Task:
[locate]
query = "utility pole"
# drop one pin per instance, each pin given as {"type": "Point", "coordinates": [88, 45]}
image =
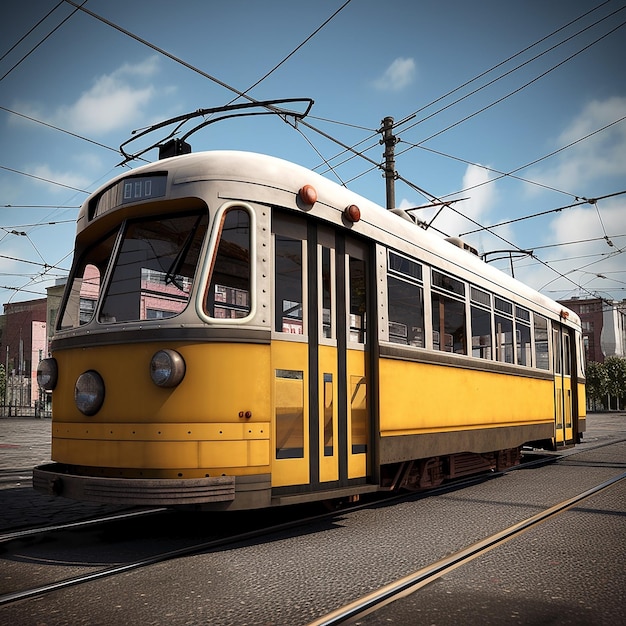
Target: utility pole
{"type": "Point", "coordinates": [390, 140]}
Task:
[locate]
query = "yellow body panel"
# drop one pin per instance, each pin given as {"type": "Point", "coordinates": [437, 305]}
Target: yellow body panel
{"type": "Point", "coordinates": [422, 398]}
{"type": "Point", "coordinates": [357, 411]}
{"type": "Point", "coordinates": [582, 400]}
{"type": "Point", "coordinates": [328, 403]}
{"type": "Point", "coordinates": [290, 400]}
{"type": "Point", "coordinates": [200, 424]}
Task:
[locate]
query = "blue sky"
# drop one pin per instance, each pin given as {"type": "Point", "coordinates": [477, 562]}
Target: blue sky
{"type": "Point", "coordinates": [69, 97]}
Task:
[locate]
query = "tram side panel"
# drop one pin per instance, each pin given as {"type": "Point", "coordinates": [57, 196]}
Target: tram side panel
{"type": "Point", "coordinates": [428, 410]}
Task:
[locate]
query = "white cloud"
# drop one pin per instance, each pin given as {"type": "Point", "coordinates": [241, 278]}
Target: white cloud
{"type": "Point", "coordinates": [481, 197]}
{"type": "Point", "coordinates": [601, 155]}
{"type": "Point", "coordinates": [397, 76]}
{"type": "Point", "coordinates": [591, 266]}
{"type": "Point", "coordinates": [113, 101]}
{"type": "Point", "coordinates": [71, 178]}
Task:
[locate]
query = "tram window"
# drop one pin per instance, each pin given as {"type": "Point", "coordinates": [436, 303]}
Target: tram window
{"type": "Point", "coordinates": [503, 305]}
{"type": "Point", "coordinates": [481, 323]}
{"type": "Point", "coordinates": [229, 291]}
{"type": "Point", "coordinates": [567, 356]}
{"type": "Point", "coordinates": [154, 268]}
{"type": "Point", "coordinates": [406, 312]}
{"type": "Point", "coordinates": [289, 393]}
{"type": "Point", "coordinates": [558, 351]}
{"type": "Point", "coordinates": [326, 293]}
{"type": "Point", "coordinates": [288, 285]}
{"type": "Point", "coordinates": [404, 266]}
{"type": "Point", "coordinates": [443, 281]}
{"type": "Point", "coordinates": [504, 339]}
{"type": "Point", "coordinates": [523, 344]}
{"type": "Point", "coordinates": [358, 300]}
{"type": "Point", "coordinates": [405, 301]}
{"type": "Point", "coordinates": [542, 357]}
{"type": "Point", "coordinates": [481, 333]}
{"type": "Point", "coordinates": [86, 284]}
{"type": "Point", "coordinates": [449, 332]}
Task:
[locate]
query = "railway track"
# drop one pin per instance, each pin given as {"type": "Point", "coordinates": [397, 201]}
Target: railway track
{"type": "Point", "coordinates": [263, 532]}
{"type": "Point", "coordinates": [45, 533]}
{"type": "Point", "coordinates": [352, 612]}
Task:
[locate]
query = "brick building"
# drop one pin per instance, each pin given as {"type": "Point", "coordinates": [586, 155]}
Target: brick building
{"type": "Point", "coordinates": [23, 343]}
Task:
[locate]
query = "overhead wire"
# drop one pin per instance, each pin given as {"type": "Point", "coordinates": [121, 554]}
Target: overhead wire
{"type": "Point", "coordinates": [515, 91]}
{"type": "Point", "coordinates": [542, 213]}
{"type": "Point", "coordinates": [18, 63]}
{"type": "Point", "coordinates": [475, 78]}
{"type": "Point", "coordinates": [521, 65]}
{"type": "Point", "coordinates": [308, 125]}
{"type": "Point", "coordinates": [25, 35]}
{"type": "Point", "coordinates": [242, 94]}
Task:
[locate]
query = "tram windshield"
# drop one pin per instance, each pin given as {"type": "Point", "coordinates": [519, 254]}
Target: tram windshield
{"type": "Point", "coordinates": [151, 275]}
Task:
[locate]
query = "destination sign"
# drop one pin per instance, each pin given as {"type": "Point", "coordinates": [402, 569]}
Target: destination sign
{"type": "Point", "coordinates": [131, 189]}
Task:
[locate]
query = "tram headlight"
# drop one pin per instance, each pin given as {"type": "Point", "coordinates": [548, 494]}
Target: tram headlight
{"type": "Point", "coordinates": [47, 374]}
{"type": "Point", "coordinates": [167, 368]}
{"type": "Point", "coordinates": [89, 392]}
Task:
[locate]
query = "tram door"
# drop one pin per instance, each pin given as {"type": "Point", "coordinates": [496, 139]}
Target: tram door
{"type": "Point", "coordinates": [563, 391]}
{"type": "Point", "coordinates": [319, 356]}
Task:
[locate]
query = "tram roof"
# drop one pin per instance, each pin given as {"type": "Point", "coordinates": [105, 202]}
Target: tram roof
{"type": "Point", "coordinates": [376, 221]}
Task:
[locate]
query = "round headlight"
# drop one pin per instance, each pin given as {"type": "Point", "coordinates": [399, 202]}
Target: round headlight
{"type": "Point", "coordinates": [89, 392]}
{"type": "Point", "coordinates": [167, 368]}
{"type": "Point", "coordinates": [47, 374]}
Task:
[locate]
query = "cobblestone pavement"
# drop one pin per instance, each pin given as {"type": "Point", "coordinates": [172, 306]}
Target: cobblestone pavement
{"type": "Point", "coordinates": [25, 443]}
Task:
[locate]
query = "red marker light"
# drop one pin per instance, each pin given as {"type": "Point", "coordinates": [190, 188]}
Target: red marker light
{"type": "Point", "coordinates": [308, 195]}
{"type": "Point", "coordinates": [352, 213]}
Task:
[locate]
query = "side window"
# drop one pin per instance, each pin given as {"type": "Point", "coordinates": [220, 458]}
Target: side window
{"type": "Point", "coordinates": [481, 323]}
{"type": "Point", "coordinates": [448, 310]}
{"type": "Point", "coordinates": [542, 354]}
{"type": "Point", "coordinates": [288, 285]}
{"type": "Point", "coordinates": [504, 330]}
{"type": "Point", "coordinates": [229, 295]}
{"type": "Point", "coordinates": [522, 334]}
{"type": "Point", "coordinates": [358, 299]}
{"type": "Point", "coordinates": [81, 303]}
{"type": "Point", "coordinates": [405, 301]}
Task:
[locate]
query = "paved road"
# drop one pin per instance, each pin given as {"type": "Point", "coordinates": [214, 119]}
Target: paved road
{"type": "Point", "coordinates": [25, 443]}
{"type": "Point", "coordinates": [567, 571]}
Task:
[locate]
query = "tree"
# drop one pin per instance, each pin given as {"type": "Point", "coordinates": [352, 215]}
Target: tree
{"type": "Point", "coordinates": [616, 376]}
{"type": "Point", "coordinates": [597, 381]}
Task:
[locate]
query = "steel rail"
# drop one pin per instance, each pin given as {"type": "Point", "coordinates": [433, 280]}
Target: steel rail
{"type": "Point", "coordinates": [85, 523]}
{"type": "Point", "coordinates": [415, 581]}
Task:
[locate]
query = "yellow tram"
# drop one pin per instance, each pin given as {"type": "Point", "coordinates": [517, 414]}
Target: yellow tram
{"type": "Point", "coordinates": [240, 332]}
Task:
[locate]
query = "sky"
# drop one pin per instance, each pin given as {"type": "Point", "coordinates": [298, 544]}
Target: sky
{"type": "Point", "coordinates": [516, 110]}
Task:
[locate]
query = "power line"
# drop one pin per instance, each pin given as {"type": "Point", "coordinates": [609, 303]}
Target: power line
{"type": "Point", "coordinates": [527, 62]}
{"type": "Point", "coordinates": [23, 37]}
{"type": "Point", "coordinates": [515, 91]}
{"type": "Point", "coordinates": [57, 128]}
{"type": "Point", "coordinates": [474, 79]}
{"type": "Point", "coordinates": [42, 41]}
{"type": "Point", "coordinates": [541, 213]}
{"type": "Point", "coordinates": [45, 180]}
{"type": "Point", "coordinates": [284, 60]}
{"type": "Point", "coordinates": [502, 63]}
